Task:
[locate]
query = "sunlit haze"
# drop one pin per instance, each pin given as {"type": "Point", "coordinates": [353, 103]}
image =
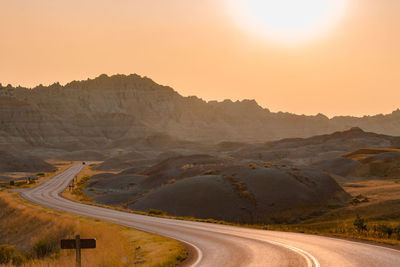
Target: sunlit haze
{"type": "Point", "coordinates": [336, 57]}
{"type": "Point", "coordinates": [289, 21]}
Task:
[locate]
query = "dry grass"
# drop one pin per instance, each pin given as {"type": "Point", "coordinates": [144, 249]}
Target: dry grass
{"type": "Point", "coordinates": [76, 194]}
{"type": "Point", "coordinates": [364, 153]}
{"type": "Point", "coordinates": [241, 189]}
{"type": "Point", "coordinates": [23, 224]}
{"type": "Point", "coordinates": [60, 165]}
{"type": "Point", "coordinates": [382, 209]}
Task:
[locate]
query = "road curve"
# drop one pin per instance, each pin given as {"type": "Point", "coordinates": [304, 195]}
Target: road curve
{"type": "Point", "coordinates": [221, 245]}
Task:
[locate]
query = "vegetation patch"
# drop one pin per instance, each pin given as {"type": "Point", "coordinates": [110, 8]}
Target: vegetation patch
{"type": "Point", "coordinates": [241, 189]}
{"type": "Point", "coordinates": [79, 186]}
{"type": "Point", "coordinates": [30, 235]}
{"type": "Point", "coordinates": [35, 179]}
{"type": "Point", "coordinates": [156, 212]}
{"type": "Point", "coordinates": [359, 199]}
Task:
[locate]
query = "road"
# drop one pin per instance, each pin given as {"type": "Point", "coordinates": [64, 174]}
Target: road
{"type": "Point", "coordinates": [221, 245]}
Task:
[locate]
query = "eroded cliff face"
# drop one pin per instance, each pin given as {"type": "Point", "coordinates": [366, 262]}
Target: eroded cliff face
{"type": "Point", "coordinates": [94, 113]}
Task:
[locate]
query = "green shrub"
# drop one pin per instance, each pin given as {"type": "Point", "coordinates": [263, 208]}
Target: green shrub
{"type": "Point", "coordinates": [359, 223]}
{"type": "Point", "coordinates": [211, 172]}
{"type": "Point", "coordinates": [18, 259]}
{"type": "Point", "coordinates": [44, 247]}
{"type": "Point", "coordinates": [78, 190]}
{"type": "Point", "coordinates": [385, 230]}
{"type": "Point", "coordinates": [40, 174]}
{"type": "Point", "coordinates": [6, 253]}
{"type": "Point", "coordinates": [156, 212]}
{"type": "Point", "coordinates": [253, 166]}
{"type": "Point", "coordinates": [397, 231]}
{"type": "Point", "coordinates": [171, 181]}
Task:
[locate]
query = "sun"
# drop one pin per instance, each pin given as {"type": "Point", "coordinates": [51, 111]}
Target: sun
{"type": "Point", "coordinates": [288, 20]}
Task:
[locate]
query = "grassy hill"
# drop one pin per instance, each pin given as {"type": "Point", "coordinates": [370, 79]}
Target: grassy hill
{"type": "Point", "coordinates": [33, 234]}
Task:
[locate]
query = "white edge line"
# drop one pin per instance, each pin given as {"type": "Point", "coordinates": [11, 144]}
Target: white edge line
{"type": "Point", "coordinates": [199, 253]}
{"type": "Point", "coordinates": [305, 254]}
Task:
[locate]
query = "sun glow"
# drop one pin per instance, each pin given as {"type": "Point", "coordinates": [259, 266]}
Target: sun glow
{"type": "Point", "coordinates": [288, 20]}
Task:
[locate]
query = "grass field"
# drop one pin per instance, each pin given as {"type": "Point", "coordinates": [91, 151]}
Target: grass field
{"type": "Point", "coordinates": [32, 229]}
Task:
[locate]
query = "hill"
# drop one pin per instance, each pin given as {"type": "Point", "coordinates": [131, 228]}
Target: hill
{"type": "Point", "coordinates": [315, 150]}
{"type": "Point", "coordinates": [32, 233]}
{"type": "Point", "coordinates": [23, 163]}
{"type": "Point", "coordinates": [205, 186]}
{"type": "Point", "coordinates": [278, 181]}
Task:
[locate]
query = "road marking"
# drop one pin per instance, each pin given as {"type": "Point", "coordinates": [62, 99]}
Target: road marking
{"type": "Point", "coordinates": [311, 260]}
{"type": "Point", "coordinates": [199, 252]}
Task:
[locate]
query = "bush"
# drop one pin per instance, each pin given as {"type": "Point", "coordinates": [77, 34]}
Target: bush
{"type": "Point", "coordinates": [385, 229]}
{"type": "Point", "coordinates": [359, 223]}
{"type": "Point", "coordinates": [156, 212]}
{"type": "Point", "coordinates": [253, 166]}
{"type": "Point", "coordinates": [211, 172]}
{"type": "Point", "coordinates": [6, 253]}
{"type": "Point", "coordinates": [18, 259]}
{"type": "Point", "coordinates": [397, 231]}
{"type": "Point", "coordinates": [171, 181]}
{"type": "Point", "coordinates": [44, 247]}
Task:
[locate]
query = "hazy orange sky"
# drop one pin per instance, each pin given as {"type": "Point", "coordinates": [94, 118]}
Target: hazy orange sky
{"type": "Point", "coordinates": [198, 48]}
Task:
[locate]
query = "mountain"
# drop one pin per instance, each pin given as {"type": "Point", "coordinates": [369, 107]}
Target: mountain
{"type": "Point", "coordinates": [123, 109]}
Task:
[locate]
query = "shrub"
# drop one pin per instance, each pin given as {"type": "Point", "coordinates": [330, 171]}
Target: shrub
{"type": "Point", "coordinates": [44, 247]}
{"type": "Point", "coordinates": [18, 259]}
{"type": "Point", "coordinates": [359, 223]}
{"type": "Point", "coordinates": [253, 166]}
{"type": "Point", "coordinates": [78, 189]}
{"type": "Point", "coordinates": [40, 174]}
{"type": "Point", "coordinates": [397, 231]}
{"type": "Point", "coordinates": [6, 253]}
{"type": "Point", "coordinates": [156, 212]}
{"type": "Point", "coordinates": [171, 181]}
{"type": "Point", "coordinates": [211, 172]}
{"type": "Point", "coordinates": [385, 229]}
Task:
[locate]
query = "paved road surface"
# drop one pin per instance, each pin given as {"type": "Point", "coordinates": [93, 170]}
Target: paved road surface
{"type": "Point", "coordinates": [221, 245]}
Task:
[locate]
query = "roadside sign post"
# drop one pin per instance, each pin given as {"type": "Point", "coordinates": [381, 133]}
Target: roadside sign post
{"type": "Point", "coordinates": [78, 250]}
{"type": "Point", "coordinates": [78, 244]}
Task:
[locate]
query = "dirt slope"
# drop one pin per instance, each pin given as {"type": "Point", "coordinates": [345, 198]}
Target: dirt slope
{"type": "Point", "coordinates": [22, 163]}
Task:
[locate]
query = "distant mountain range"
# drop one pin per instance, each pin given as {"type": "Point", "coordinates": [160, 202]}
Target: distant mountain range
{"type": "Point", "coordinates": [118, 109]}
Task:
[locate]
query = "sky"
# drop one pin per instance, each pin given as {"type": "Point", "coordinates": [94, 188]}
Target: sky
{"type": "Point", "coordinates": [206, 48]}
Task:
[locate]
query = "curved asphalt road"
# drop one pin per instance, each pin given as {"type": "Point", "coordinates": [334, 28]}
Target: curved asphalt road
{"type": "Point", "coordinates": [221, 245]}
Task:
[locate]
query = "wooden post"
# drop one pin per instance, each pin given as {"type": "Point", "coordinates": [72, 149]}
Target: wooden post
{"type": "Point", "coordinates": [78, 244]}
{"type": "Point", "coordinates": [78, 250]}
